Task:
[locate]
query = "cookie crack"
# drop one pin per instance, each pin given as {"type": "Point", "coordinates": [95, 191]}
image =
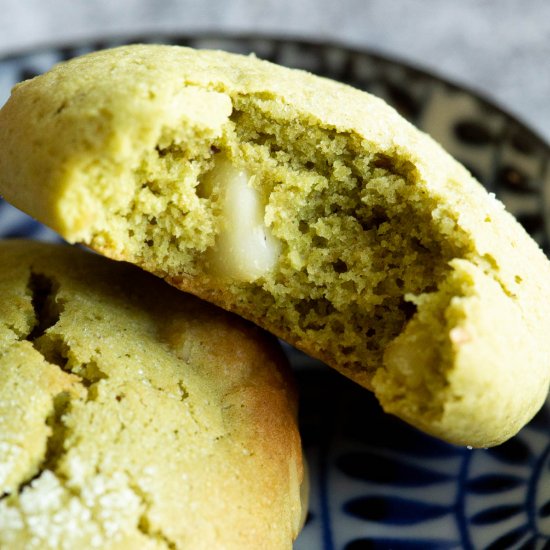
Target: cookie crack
{"type": "Point", "coordinates": [54, 442]}
{"type": "Point", "coordinates": [144, 525]}
{"type": "Point", "coordinates": [59, 431]}
{"type": "Point", "coordinates": [47, 309]}
{"type": "Point", "coordinates": [53, 347]}
{"type": "Point", "coordinates": [47, 312]}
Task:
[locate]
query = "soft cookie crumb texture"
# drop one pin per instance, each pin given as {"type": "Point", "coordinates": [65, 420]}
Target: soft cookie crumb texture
{"type": "Point", "coordinates": [342, 256]}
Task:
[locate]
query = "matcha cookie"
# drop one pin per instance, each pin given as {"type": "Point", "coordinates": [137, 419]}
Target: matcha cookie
{"type": "Point", "coordinates": [304, 205]}
{"type": "Point", "coordinates": [135, 416]}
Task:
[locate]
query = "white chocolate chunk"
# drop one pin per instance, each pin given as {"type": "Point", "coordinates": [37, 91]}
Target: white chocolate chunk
{"type": "Point", "coordinates": [245, 248]}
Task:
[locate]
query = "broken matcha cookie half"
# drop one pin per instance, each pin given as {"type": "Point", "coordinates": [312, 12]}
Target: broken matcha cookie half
{"type": "Point", "coordinates": [306, 206]}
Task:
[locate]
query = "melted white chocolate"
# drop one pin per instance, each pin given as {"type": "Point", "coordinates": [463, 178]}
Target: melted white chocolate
{"type": "Point", "coordinates": [245, 249]}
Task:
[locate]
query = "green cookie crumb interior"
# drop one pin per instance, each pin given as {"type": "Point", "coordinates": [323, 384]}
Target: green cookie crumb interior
{"type": "Point", "coordinates": [358, 239]}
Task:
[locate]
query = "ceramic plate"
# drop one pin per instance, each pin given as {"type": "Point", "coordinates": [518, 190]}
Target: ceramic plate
{"type": "Point", "coordinates": [376, 482]}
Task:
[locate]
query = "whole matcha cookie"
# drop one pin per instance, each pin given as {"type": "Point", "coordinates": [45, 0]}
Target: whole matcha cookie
{"type": "Point", "coordinates": [135, 416]}
{"type": "Point", "coordinates": [306, 206]}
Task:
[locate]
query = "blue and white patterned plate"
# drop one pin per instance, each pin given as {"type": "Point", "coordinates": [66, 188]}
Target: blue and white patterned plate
{"type": "Point", "coordinates": [376, 482]}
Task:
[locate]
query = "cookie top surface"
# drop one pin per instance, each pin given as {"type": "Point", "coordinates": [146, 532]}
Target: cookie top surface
{"type": "Point", "coordinates": [133, 415]}
{"type": "Point", "coordinates": [149, 91]}
{"type": "Point", "coordinates": [364, 243]}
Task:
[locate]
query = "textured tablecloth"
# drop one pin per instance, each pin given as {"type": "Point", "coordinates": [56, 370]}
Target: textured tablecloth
{"type": "Point", "coordinates": [498, 47]}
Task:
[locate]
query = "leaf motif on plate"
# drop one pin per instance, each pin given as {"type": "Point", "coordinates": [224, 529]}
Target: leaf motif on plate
{"type": "Point", "coordinates": [400, 544]}
{"type": "Point", "coordinates": [388, 470]}
{"type": "Point", "coordinates": [493, 483]}
{"type": "Point", "coordinates": [496, 514]}
{"type": "Point", "coordinates": [394, 510]}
